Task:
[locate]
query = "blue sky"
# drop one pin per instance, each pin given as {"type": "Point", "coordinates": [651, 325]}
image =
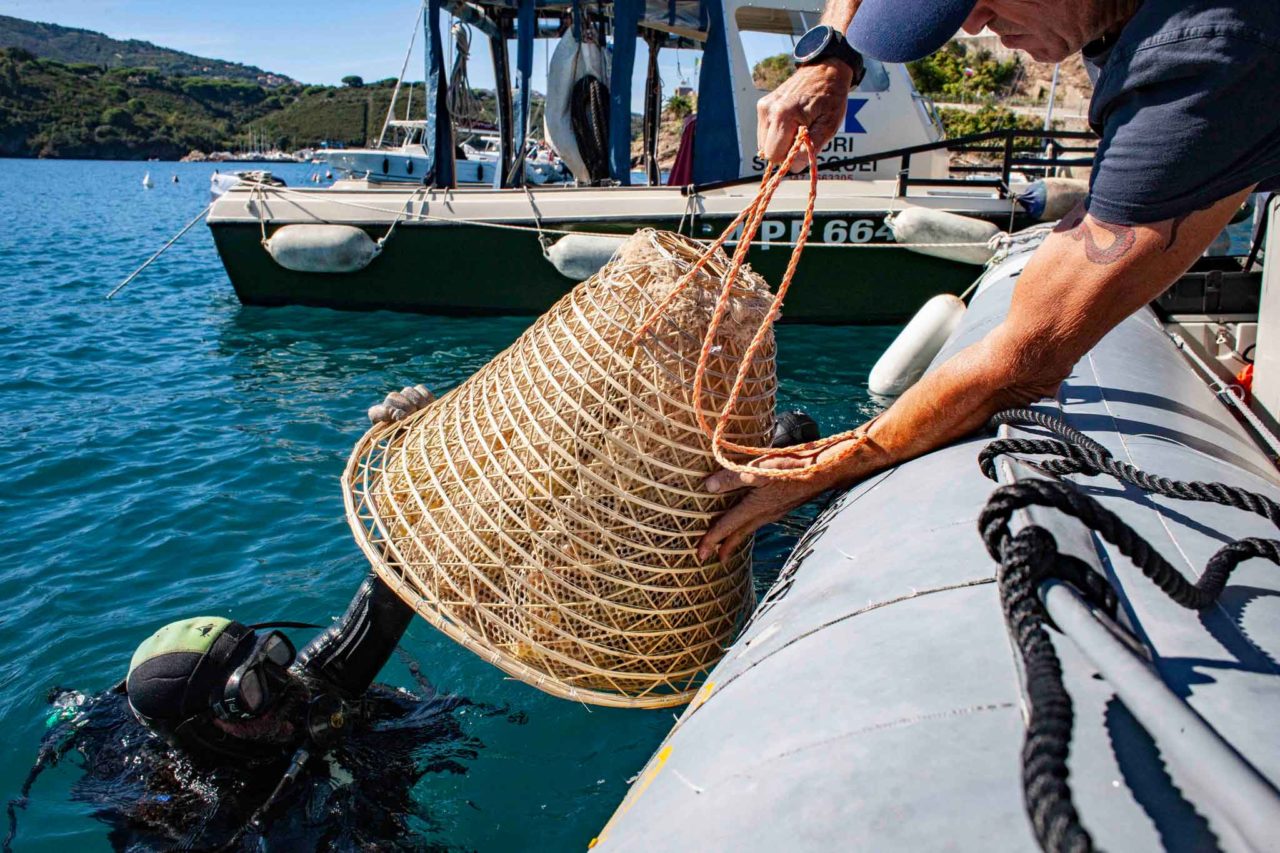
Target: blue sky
{"type": "Point", "coordinates": [316, 41]}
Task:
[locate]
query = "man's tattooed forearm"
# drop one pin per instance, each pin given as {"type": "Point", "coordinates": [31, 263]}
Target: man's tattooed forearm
{"type": "Point", "coordinates": [1124, 237]}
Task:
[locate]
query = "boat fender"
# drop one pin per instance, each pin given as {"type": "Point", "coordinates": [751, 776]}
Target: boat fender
{"type": "Point", "coordinates": [580, 256]}
{"type": "Point", "coordinates": [1050, 199]}
{"type": "Point", "coordinates": [322, 248]}
{"type": "Point", "coordinates": [910, 354]}
{"type": "Point", "coordinates": [792, 428]}
{"type": "Point", "coordinates": [917, 227]}
{"type": "Point", "coordinates": [570, 62]}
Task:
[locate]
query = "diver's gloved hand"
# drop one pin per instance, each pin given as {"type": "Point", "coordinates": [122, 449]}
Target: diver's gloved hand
{"type": "Point", "coordinates": [398, 405]}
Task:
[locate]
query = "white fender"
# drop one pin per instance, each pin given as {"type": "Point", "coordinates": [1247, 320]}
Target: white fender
{"type": "Point", "coordinates": [917, 227]}
{"type": "Point", "coordinates": [1061, 195]}
{"type": "Point", "coordinates": [580, 256]}
{"type": "Point", "coordinates": [322, 248]}
{"type": "Point", "coordinates": [906, 359]}
{"type": "Point", "coordinates": [570, 62]}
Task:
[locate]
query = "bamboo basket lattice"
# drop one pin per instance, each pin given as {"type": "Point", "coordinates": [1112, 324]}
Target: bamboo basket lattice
{"type": "Point", "coordinates": [544, 513]}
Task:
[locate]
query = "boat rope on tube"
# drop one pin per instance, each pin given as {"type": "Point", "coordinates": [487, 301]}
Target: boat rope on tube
{"type": "Point", "coordinates": [410, 216]}
{"type": "Point", "coordinates": [1030, 558]}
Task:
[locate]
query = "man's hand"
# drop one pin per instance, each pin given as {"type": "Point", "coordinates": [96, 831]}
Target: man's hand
{"type": "Point", "coordinates": [398, 405]}
{"type": "Point", "coordinates": [814, 97]}
{"type": "Point", "coordinates": [768, 499]}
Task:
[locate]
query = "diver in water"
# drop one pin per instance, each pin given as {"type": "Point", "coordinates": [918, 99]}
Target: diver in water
{"type": "Point", "coordinates": [222, 736]}
{"type": "Point", "coordinates": [253, 745]}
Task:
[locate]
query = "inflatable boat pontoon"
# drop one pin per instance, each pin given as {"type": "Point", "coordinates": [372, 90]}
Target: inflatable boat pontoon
{"type": "Point", "coordinates": [877, 700]}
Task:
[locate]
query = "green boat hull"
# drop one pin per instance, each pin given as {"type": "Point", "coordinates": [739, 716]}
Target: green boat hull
{"type": "Point", "coordinates": [471, 269]}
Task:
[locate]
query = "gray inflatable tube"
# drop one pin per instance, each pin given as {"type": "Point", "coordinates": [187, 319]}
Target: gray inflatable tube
{"type": "Point", "coordinates": [874, 701]}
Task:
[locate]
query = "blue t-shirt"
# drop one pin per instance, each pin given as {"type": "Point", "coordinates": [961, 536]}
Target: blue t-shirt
{"type": "Point", "coordinates": [1187, 102]}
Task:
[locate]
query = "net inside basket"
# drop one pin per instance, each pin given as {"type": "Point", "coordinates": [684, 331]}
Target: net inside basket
{"type": "Point", "coordinates": [544, 513]}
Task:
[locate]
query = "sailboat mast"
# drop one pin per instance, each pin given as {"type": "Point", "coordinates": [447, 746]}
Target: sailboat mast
{"type": "Point", "coordinates": [395, 93]}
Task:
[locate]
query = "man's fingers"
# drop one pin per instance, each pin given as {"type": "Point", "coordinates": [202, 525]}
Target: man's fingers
{"type": "Point", "coordinates": [398, 405]}
{"type": "Point", "coordinates": [728, 481]}
{"type": "Point", "coordinates": [783, 126]}
{"type": "Point", "coordinates": [737, 516]}
{"type": "Point", "coordinates": [824, 127]}
{"type": "Point", "coordinates": [741, 520]}
{"type": "Point", "coordinates": [415, 397]}
{"type": "Point", "coordinates": [736, 538]}
{"type": "Point", "coordinates": [762, 121]}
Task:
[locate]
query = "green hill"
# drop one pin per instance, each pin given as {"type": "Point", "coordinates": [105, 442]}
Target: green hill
{"type": "Point", "coordinates": [353, 115]}
{"type": "Point", "coordinates": [72, 45]}
{"type": "Point", "coordinates": [50, 109]}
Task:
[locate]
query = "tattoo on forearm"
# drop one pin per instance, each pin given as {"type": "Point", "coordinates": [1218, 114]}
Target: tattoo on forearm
{"type": "Point", "coordinates": [1073, 225]}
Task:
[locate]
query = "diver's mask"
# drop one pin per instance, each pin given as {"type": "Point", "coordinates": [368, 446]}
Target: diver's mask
{"type": "Point", "coordinates": [257, 683]}
{"type": "Point", "coordinates": [192, 678]}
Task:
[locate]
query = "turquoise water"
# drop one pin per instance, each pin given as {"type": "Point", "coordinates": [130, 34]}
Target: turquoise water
{"type": "Point", "coordinates": [171, 453]}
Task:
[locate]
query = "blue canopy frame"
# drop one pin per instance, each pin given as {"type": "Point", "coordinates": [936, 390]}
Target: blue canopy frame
{"type": "Point", "coordinates": [716, 154]}
{"type": "Point", "coordinates": [438, 139]}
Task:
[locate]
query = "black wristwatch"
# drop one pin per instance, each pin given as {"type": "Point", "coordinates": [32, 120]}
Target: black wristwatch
{"type": "Point", "coordinates": [823, 42]}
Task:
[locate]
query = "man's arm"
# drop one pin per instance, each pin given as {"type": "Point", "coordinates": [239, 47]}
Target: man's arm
{"type": "Point", "coordinates": [1086, 277]}
{"type": "Point", "coordinates": [814, 97]}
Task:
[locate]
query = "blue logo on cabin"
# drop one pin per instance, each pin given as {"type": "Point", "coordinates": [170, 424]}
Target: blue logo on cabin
{"type": "Point", "coordinates": [851, 123]}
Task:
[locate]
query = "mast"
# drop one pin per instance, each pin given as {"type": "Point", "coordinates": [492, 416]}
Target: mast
{"type": "Point", "coordinates": [502, 89]}
{"type": "Point", "coordinates": [395, 93]}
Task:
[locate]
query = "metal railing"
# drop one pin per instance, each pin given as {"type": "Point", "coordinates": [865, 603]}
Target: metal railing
{"type": "Point", "coordinates": [1010, 157]}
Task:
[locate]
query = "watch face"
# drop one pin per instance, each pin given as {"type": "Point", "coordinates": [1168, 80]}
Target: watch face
{"type": "Point", "coordinates": [812, 43]}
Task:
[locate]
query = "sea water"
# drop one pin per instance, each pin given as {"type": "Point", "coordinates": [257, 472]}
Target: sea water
{"type": "Point", "coordinates": [172, 453]}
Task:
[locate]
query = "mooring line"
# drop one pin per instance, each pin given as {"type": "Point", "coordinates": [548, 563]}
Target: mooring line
{"type": "Point", "coordinates": [163, 249]}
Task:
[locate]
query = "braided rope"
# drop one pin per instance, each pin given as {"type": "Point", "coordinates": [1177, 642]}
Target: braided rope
{"type": "Point", "coordinates": [1031, 557]}
{"type": "Point", "coordinates": [1047, 742]}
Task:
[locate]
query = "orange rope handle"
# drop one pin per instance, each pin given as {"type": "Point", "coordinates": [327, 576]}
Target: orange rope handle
{"type": "Point", "coordinates": [753, 216]}
{"type": "Point", "coordinates": [811, 449]}
{"type": "Point", "coordinates": [758, 210]}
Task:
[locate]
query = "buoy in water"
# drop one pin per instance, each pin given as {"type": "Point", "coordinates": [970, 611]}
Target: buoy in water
{"type": "Point", "coordinates": [1050, 199]}
{"type": "Point", "coordinates": [580, 256]}
{"type": "Point", "coordinates": [918, 227]}
{"type": "Point", "coordinates": [322, 248]}
{"type": "Point", "coordinates": [907, 358]}
{"type": "Point", "coordinates": [175, 179]}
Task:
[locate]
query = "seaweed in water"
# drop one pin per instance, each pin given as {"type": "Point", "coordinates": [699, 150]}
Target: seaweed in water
{"type": "Point", "coordinates": [356, 796]}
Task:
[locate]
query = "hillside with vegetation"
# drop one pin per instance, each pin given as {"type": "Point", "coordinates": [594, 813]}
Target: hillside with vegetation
{"type": "Point", "coordinates": [51, 109]}
{"type": "Point", "coordinates": [72, 45]}
{"type": "Point", "coordinates": [352, 114]}
{"type": "Point", "coordinates": [55, 109]}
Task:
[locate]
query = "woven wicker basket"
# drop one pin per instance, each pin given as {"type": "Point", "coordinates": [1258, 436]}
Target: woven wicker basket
{"type": "Point", "coordinates": [544, 513]}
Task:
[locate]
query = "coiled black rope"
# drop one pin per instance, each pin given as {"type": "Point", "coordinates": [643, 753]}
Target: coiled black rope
{"type": "Point", "coordinates": [1031, 557]}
